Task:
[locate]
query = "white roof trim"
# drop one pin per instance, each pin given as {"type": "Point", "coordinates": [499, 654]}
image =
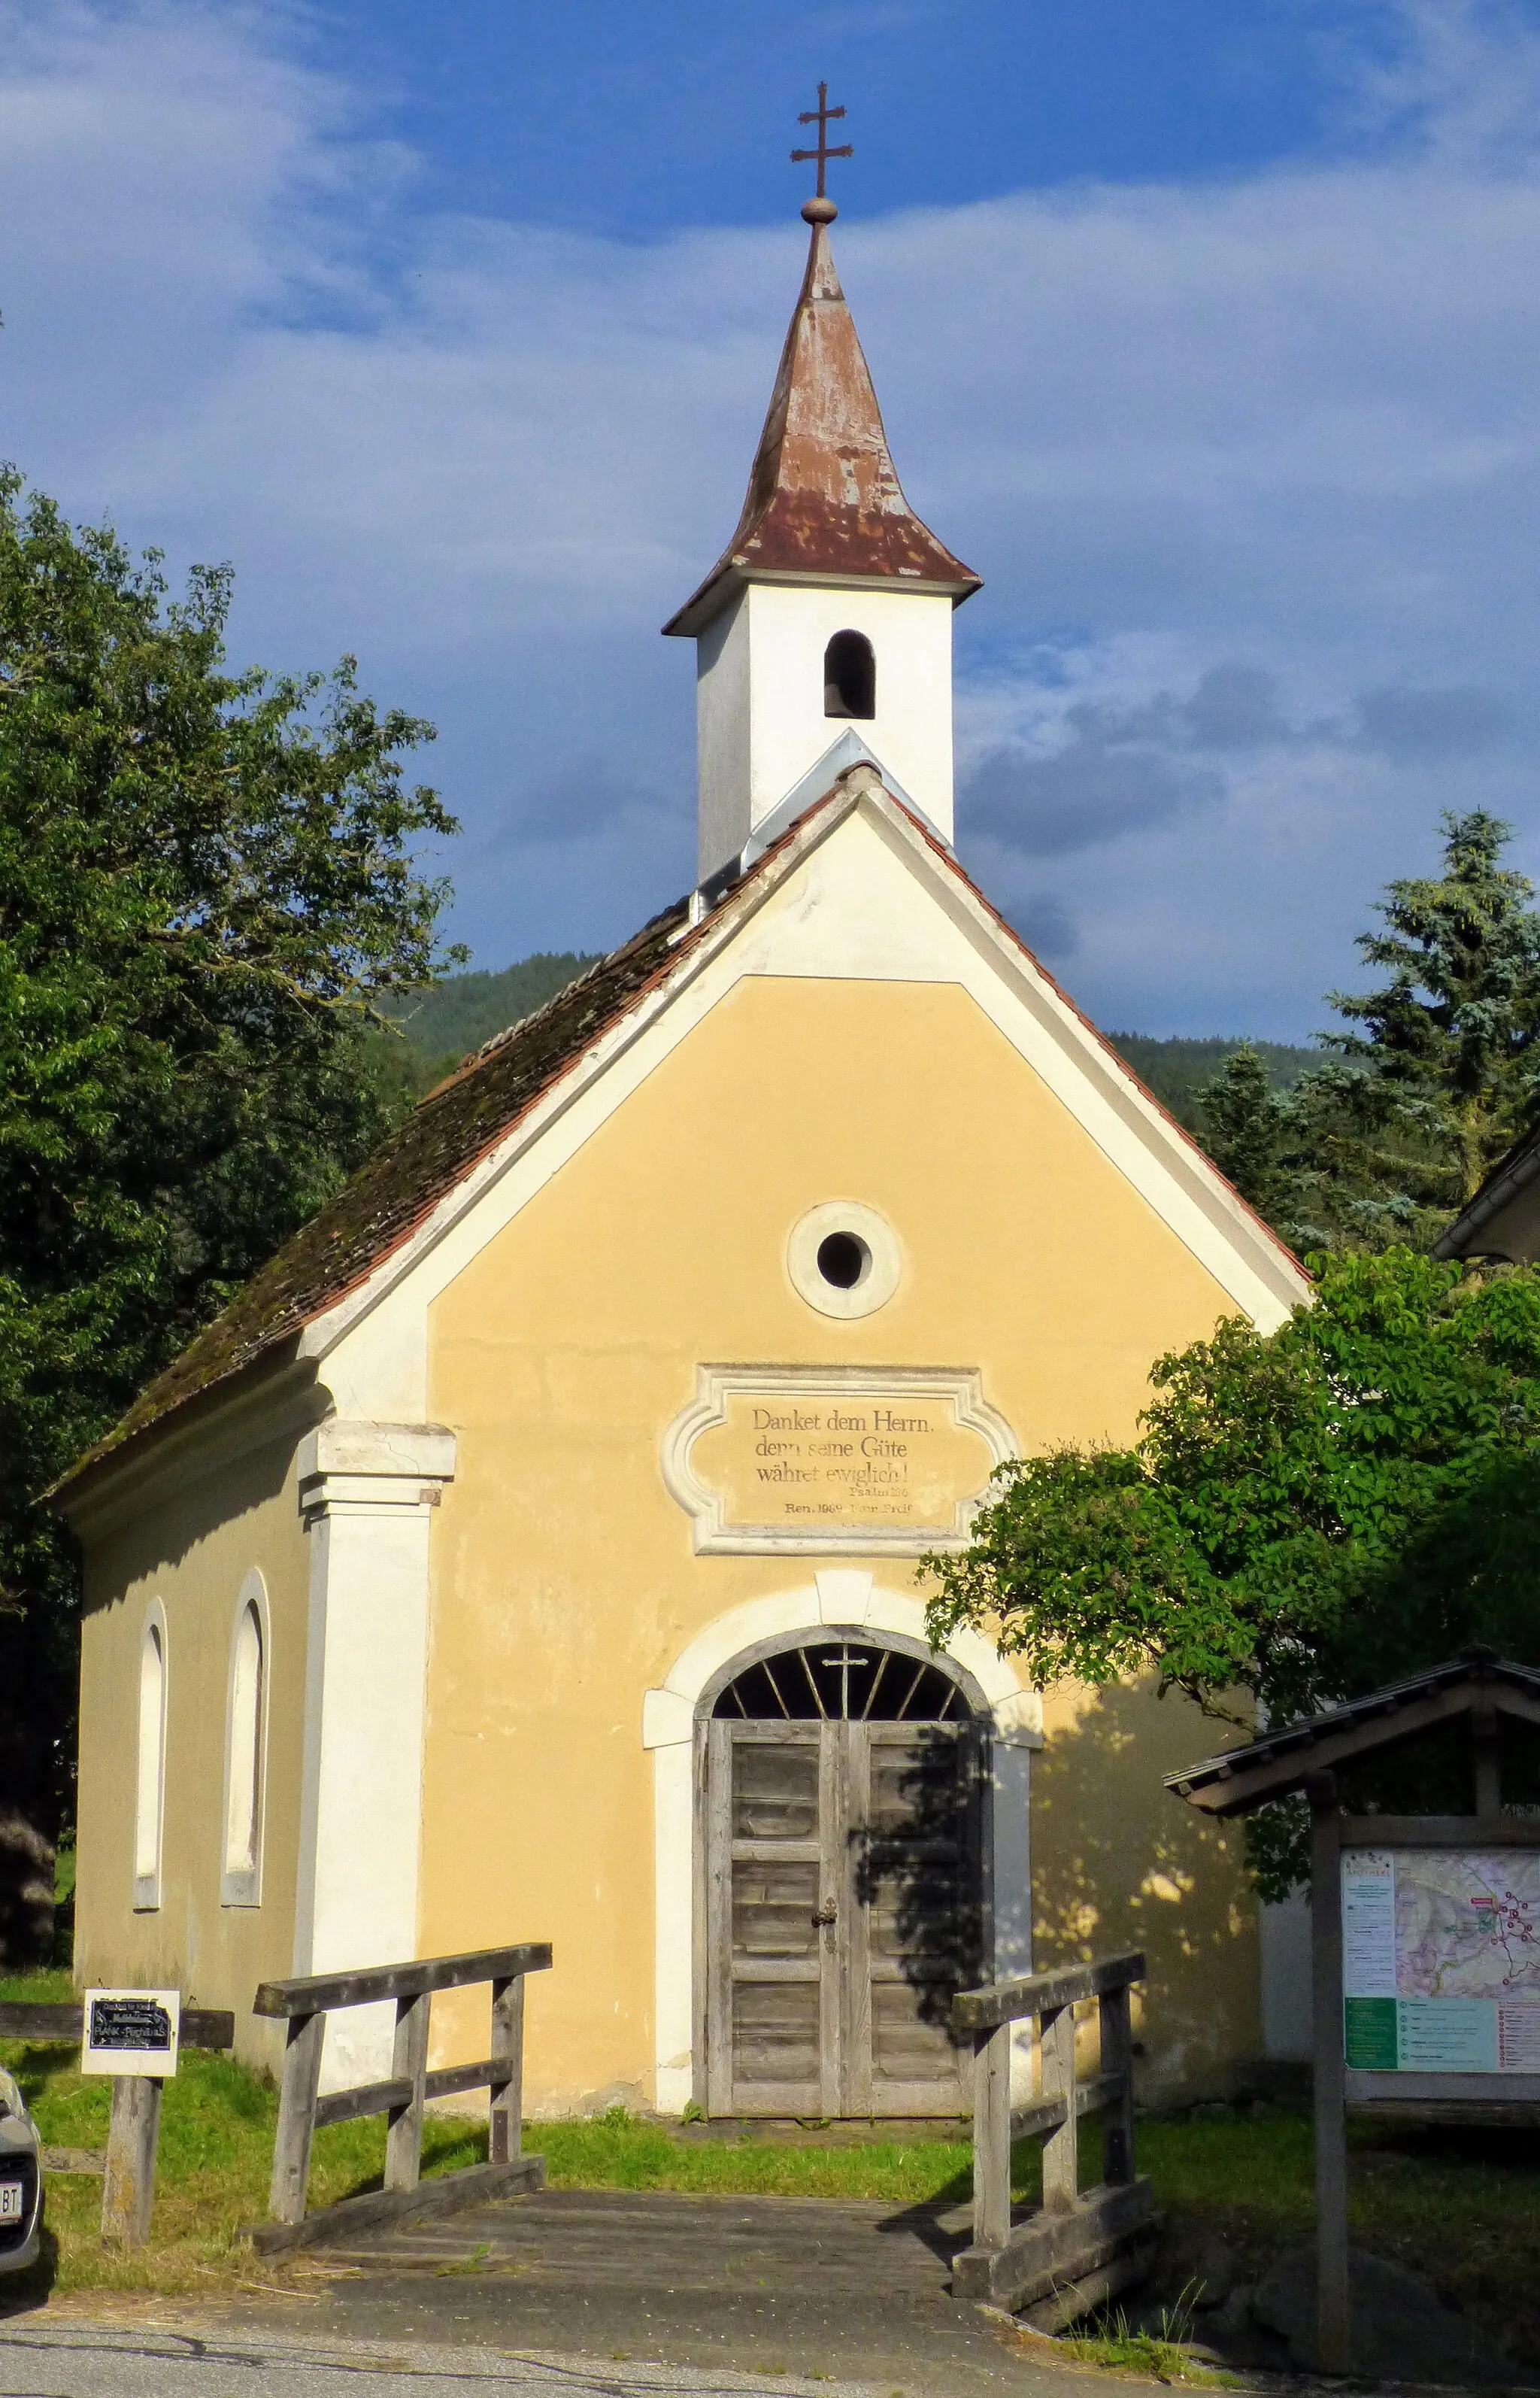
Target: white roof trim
{"type": "Point", "coordinates": [1265, 1259]}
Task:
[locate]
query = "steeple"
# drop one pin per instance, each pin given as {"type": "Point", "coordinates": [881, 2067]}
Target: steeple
{"type": "Point", "coordinates": [826, 534]}
{"type": "Point", "coordinates": [824, 496]}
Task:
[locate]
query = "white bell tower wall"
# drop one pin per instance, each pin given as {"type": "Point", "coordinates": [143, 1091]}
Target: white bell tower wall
{"type": "Point", "coordinates": [761, 724]}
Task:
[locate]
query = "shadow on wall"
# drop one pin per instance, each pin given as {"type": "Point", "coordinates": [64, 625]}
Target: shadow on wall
{"type": "Point", "coordinates": [1118, 1863]}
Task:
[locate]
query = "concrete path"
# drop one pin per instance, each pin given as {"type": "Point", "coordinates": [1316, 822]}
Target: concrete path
{"type": "Point", "coordinates": [843, 2288]}
{"type": "Point", "coordinates": [43, 2356]}
{"type": "Point", "coordinates": [613, 2292]}
{"type": "Point", "coordinates": [62, 2358]}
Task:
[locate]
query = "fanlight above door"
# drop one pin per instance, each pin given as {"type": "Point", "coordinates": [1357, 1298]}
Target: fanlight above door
{"type": "Point", "coordinates": [838, 1680]}
{"type": "Point", "coordinates": [842, 1901]}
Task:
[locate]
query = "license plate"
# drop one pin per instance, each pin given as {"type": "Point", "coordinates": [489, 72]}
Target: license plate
{"type": "Point", "coordinates": [11, 2199]}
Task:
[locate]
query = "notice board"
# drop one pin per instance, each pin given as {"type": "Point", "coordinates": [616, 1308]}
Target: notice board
{"type": "Point", "coordinates": [1442, 1960]}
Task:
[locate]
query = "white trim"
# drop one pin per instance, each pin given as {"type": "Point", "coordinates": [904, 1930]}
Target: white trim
{"type": "Point", "coordinates": [802, 911]}
{"type": "Point", "coordinates": [367, 1493]}
{"type": "Point", "coordinates": [1168, 1170]}
{"type": "Point", "coordinates": [879, 1277]}
{"type": "Point", "coordinates": [837, 1594]}
{"type": "Point", "coordinates": [714, 1536]}
{"type": "Point", "coordinates": [147, 1886]}
{"type": "Point", "coordinates": [242, 1886]}
{"type": "Point", "coordinates": [346, 1447]}
{"type": "Point", "coordinates": [838, 761]}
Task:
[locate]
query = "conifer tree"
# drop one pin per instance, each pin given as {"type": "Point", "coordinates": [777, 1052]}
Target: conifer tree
{"type": "Point", "coordinates": [1437, 1078]}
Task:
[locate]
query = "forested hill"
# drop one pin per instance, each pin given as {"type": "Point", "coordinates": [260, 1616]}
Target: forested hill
{"type": "Point", "coordinates": [1176, 1070]}
{"type": "Point", "coordinates": [444, 1024]}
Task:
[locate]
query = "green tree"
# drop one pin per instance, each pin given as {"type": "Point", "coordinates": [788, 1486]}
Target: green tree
{"type": "Point", "coordinates": [205, 881]}
{"type": "Point", "coordinates": [1441, 1074]}
{"type": "Point", "coordinates": [1306, 1513]}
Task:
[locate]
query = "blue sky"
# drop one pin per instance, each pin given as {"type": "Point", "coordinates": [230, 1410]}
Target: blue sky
{"type": "Point", "coordinates": [1211, 336]}
{"type": "Point", "coordinates": [632, 120]}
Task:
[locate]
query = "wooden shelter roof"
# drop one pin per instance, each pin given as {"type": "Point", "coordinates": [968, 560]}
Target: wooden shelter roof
{"type": "Point", "coordinates": [1285, 1759]}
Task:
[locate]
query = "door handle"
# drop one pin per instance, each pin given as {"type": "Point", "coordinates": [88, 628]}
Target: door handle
{"type": "Point", "coordinates": [828, 1913]}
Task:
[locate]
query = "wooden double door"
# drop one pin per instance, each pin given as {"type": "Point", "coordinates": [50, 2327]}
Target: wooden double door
{"type": "Point", "coordinates": [842, 1910]}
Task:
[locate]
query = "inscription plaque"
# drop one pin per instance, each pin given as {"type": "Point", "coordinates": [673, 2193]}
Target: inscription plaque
{"type": "Point", "coordinates": [834, 1458]}
{"type": "Point", "coordinates": [131, 2032]}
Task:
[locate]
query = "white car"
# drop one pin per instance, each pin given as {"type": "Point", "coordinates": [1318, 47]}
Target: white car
{"type": "Point", "coordinates": [20, 2179]}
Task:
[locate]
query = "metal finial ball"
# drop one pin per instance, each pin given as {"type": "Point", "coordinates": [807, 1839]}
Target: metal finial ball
{"type": "Point", "coordinates": [821, 212]}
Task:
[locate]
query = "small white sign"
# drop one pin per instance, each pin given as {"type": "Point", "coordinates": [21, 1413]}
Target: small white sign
{"type": "Point", "coordinates": [131, 2031]}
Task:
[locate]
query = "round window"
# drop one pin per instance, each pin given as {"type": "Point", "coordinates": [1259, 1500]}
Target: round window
{"type": "Point", "coordinates": [843, 1258]}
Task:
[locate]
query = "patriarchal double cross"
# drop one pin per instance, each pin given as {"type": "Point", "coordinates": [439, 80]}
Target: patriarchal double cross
{"type": "Point", "coordinates": [823, 116]}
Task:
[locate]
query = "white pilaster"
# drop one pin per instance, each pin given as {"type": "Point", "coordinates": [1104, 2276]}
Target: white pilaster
{"type": "Point", "coordinates": [367, 1492]}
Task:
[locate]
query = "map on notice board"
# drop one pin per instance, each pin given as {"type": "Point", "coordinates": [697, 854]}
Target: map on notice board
{"type": "Point", "coordinates": [1442, 1960]}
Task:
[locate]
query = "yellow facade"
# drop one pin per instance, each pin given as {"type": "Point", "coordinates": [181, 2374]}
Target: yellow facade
{"type": "Point", "coordinates": [564, 1580]}
{"type": "Point", "coordinates": [192, 1548]}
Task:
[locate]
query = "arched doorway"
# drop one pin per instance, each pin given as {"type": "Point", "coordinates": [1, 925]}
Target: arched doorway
{"type": "Point", "coordinates": [841, 1794]}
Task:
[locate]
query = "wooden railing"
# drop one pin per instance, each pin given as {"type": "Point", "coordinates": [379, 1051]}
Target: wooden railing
{"type": "Point", "coordinates": [1082, 2245]}
{"type": "Point", "coordinates": [133, 2133]}
{"type": "Point", "coordinates": [403, 2097]}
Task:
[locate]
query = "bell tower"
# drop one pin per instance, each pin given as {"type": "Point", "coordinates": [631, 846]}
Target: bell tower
{"type": "Point", "coordinates": [824, 632]}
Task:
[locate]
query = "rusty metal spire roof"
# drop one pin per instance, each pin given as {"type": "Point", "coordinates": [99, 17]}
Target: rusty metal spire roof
{"type": "Point", "coordinates": [825, 502]}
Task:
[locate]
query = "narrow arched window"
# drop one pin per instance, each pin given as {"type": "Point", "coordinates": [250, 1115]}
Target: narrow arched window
{"type": "Point", "coordinates": [850, 677]}
{"type": "Point", "coordinates": [243, 1775]}
{"type": "Point", "coordinates": [150, 1801]}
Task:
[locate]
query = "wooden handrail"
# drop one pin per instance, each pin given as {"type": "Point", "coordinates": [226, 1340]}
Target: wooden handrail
{"type": "Point", "coordinates": [379, 2097]}
{"type": "Point", "coordinates": [307, 2000]}
{"type": "Point", "coordinates": [1036, 1994]}
{"type": "Point", "coordinates": [66, 2019]}
{"type": "Point", "coordinates": [1005, 2261]}
{"type": "Point", "coordinates": [316, 1994]}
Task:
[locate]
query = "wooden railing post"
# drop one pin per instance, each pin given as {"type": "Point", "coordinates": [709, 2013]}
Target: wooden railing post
{"type": "Point", "coordinates": [507, 2048]}
{"type": "Point", "coordinates": [1061, 2146]}
{"type": "Point", "coordinates": [408, 2063]}
{"type": "Point", "coordinates": [129, 2184]}
{"type": "Point", "coordinates": [1333, 2314]}
{"type": "Point", "coordinates": [992, 2137]}
{"type": "Point", "coordinates": [1079, 2249]}
{"type": "Point", "coordinates": [1118, 2109]}
{"type": "Point", "coordinates": [295, 2117]}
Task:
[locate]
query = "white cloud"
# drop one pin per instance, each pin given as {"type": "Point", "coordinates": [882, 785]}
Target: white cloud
{"type": "Point", "coordinates": [1283, 428]}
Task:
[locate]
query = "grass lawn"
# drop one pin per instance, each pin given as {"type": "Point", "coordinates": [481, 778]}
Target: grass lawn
{"type": "Point", "coordinates": [1465, 2212]}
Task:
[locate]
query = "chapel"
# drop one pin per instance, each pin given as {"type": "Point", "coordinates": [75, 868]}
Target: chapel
{"type": "Point", "coordinates": [531, 1551]}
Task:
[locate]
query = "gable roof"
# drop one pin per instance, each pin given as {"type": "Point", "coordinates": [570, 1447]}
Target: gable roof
{"type": "Point", "coordinates": [823, 497]}
{"type": "Point", "coordinates": [1503, 1219]}
{"type": "Point", "coordinates": [1284, 1760]}
{"type": "Point", "coordinates": [457, 1127]}
{"type": "Point", "coordinates": [379, 1207]}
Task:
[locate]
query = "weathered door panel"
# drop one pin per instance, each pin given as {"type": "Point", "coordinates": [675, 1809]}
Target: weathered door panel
{"type": "Point", "coordinates": [842, 1910]}
{"type": "Point", "coordinates": [767, 1804]}
{"type": "Point", "coordinates": [918, 1883]}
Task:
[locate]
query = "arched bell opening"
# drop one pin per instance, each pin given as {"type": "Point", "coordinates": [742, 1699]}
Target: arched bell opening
{"type": "Point", "coordinates": [850, 677]}
{"type": "Point", "coordinates": [842, 1838]}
